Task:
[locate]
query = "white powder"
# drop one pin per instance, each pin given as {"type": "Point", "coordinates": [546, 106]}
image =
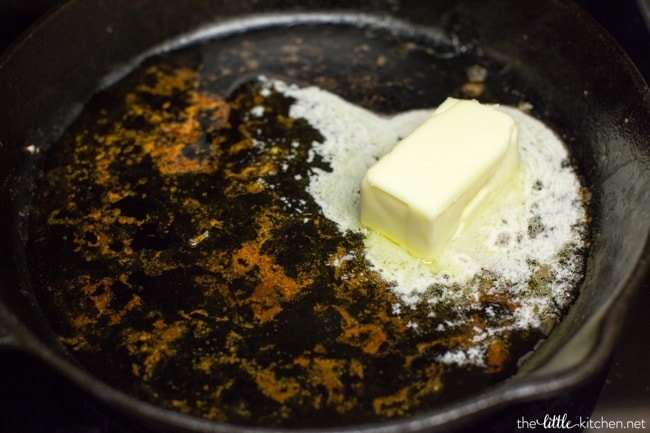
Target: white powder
{"type": "Point", "coordinates": [257, 111]}
{"type": "Point", "coordinates": [472, 356]}
{"type": "Point", "coordinates": [526, 230]}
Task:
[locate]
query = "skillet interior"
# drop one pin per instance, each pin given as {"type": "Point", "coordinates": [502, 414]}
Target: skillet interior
{"type": "Point", "coordinates": [586, 129]}
{"type": "Point", "coordinates": [268, 316]}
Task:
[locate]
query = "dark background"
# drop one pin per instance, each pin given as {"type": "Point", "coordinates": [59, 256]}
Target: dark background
{"type": "Point", "coordinates": [33, 399]}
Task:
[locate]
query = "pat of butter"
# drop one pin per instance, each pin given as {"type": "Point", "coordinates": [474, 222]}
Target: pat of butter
{"type": "Point", "coordinates": [421, 193]}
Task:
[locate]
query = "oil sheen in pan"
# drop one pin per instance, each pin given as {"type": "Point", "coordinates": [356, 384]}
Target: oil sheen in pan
{"type": "Point", "coordinates": [180, 256]}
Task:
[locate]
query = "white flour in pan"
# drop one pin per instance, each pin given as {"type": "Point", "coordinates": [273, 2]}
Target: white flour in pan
{"type": "Point", "coordinates": [537, 228]}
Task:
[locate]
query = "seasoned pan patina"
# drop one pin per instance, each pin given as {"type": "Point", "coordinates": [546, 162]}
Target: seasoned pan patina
{"type": "Point", "coordinates": [184, 262]}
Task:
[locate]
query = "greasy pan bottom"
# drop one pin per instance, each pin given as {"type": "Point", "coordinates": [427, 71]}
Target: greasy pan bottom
{"type": "Point", "coordinates": [117, 257]}
{"type": "Point", "coordinates": [169, 272]}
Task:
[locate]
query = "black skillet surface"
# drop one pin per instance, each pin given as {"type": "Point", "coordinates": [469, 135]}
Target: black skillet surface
{"type": "Point", "coordinates": [103, 427]}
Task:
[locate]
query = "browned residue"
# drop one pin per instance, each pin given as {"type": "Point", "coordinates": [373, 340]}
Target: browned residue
{"type": "Point", "coordinates": [176, 290]}
{"type": "Point", "coordinates": [153, 346]}
{"type": "Point", "coordinates": [408, 397]}
{"type": "Point", "coordinates": [369, 337]}
{"type": "Point", "coordinates": [280, 389]}
{"type": "Point", "coordinates": [274, 287]}
{"type": "Point", "coordinates": [497, 354]}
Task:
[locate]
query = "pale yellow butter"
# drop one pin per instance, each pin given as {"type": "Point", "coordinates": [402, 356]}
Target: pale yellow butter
{"type": "Point", "coordinates": [421, 193]}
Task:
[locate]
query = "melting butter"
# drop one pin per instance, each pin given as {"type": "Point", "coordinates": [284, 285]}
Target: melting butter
{"type": "Point", "coordinates": [422, 193]}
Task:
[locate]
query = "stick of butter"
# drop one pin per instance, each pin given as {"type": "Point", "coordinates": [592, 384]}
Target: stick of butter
{"type": "Point", "coordinates": [421, 193]}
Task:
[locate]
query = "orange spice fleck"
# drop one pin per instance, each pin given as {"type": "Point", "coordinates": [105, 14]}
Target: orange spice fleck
{"type": "Point", "coordinates": [155, 345]}
{"type": "Point", "coordinates": [497, 354]}
{"type": "Point", "coordinates": [278, 389]}
{"type": "Point", "coordinates": [369, 337]}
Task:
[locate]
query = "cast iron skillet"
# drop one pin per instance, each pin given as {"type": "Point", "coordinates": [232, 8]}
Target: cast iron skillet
{"type": "Point", "coordinates": [553, 56]}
